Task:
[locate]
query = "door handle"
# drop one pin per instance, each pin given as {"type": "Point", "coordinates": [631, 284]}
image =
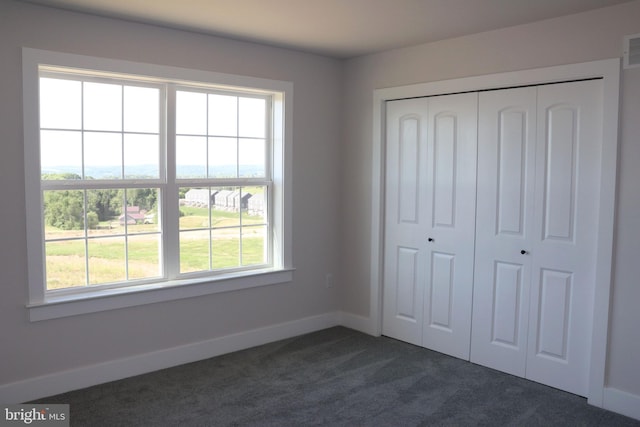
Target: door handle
{"type": "Point", "coordinates": [523, 252]}
{"type": "Point", "coordinates": [430, 239]}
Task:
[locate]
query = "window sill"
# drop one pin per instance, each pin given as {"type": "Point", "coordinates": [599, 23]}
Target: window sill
{"type": "Point", "coordinates": [111, 299]}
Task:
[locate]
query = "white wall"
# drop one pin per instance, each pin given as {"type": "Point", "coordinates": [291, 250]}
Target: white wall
{"type": "Point", "coordinates": [577, 38]}
{"type": "Point", "coordinates": [29, 350]}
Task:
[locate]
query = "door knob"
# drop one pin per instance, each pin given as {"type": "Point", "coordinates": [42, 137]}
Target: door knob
{"type": "Point", "coordinates": [430, 239]}
{"type": "Point", "coordinates": [523, 252]}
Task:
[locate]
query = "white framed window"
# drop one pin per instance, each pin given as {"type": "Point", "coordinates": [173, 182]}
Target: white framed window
{"type": "Point", "coordinates": [147, 183]}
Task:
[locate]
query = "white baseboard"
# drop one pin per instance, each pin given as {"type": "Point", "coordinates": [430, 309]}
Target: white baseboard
{"type": "Point", "coordinates": [86, 376]}
{"type": "Point", "coordinates": [622, 402]}
{"type": "Point", "coordinates": [358, 323]}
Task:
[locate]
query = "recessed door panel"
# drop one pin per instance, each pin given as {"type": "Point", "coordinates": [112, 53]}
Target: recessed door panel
{"type": "Point", "coordinates": [560, 172]}
{"type": "Point", "coordinates": [407, 284]}
{"type": "Point", "coordinates": [409, 161]}
{"type": "Point", "coordinates": [441, 288]}
{"type": "Point", "coordinates": [553, 314]}
{"type": "Point", "coordinates": [507, 290]}
{"type": "Point", "coordinates": [512, 145]}
{"type": "Point", "coordinates": [444, 169]}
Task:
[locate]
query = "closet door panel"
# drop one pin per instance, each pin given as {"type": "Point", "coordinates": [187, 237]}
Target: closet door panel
{"type": "Point", "coordinates": [450, 193]}
{"type": "Point", "coordinates": [555, 294]}
{"type": "Point", "coordinates": [512, 140]}
{"type": "Point", "coordinates": [444, 146]}
{"type": "Point", "coordinates": [440, 309]}
{"type": "Point", "coordinates": [406, 220]}
{"type": "Point", "coordinates": [507, 305]}
{"type": "Point", "coordinates": [560, 162]}
{"type": "Point", "coordinates": [504, 225]}
{"type": "Point", "coordinates": [564, 243]}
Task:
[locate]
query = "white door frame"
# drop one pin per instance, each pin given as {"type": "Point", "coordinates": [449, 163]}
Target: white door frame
{"type": "Point", "coordinates": [609, 71]}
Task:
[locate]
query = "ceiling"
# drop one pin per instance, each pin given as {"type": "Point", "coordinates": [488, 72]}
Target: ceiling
{"type": "Point", "coordinates": [337, 28]}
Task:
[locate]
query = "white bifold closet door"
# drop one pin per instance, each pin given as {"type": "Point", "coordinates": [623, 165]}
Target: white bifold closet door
{"type": "Point", "coordinates": [429, 221]}
{"type": "Point", "coordinates": [537, 217]}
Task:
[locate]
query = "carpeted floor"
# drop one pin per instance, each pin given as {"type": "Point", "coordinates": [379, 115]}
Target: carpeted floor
{"type": "Point", "coordinates": [335, 377]}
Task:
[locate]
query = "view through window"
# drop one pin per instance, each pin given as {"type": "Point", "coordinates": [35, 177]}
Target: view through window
{"type": "Point", "coordinates": [125, 201]}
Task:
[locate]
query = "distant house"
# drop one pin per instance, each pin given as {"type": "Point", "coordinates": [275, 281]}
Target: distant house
{"type": "Point", "coordinates": [239, 202]}
{"type": "Point", "coordinates": [232, 200]}
{"type": "Point", "coordinates": [133, 216]}
{"type": "Point", "coordinates": [224, 199]}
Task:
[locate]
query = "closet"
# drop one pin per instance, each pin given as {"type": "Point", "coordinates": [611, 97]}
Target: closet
{"type": "Point", "coordinates": [491, 212]}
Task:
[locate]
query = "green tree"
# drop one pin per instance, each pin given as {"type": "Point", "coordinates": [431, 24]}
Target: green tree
{"type": "Point", "coordinates": [145, 198]}
{"type": "Point", "coordinates": [105, 203]}
{"type": "Point", "coordinates": [92, 220]}
{"type": "Point", "coordinates": [67, 175]}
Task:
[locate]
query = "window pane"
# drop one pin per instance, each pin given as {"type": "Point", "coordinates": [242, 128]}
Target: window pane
{"type": "Point", "coordinates": [64, 212]}
{"type": "Point", "coordinates": [104, 206]}
{"type": "Point", "coordinates": [191, 113]}
{"type": "Point", "coordinates": [254, 249]}
{"type": "Point", "coordinates": [191, 157]}
{"type": "Point", "coordinates": [252, 117]}
{"type": "Point", "coordinates": [102, 155]}
{"type": "Point", "coordinates": [102, 106]}
{"type": "Point", "coordinates": [142, 208]}
{"type": "Point", "coordinates": [60, 154]}
{"type": "Point", "coordinates": [65, 264]}
{"type": "Point", "coordinates": [144, 256]}
{"type": "Point", "coordinates": [225, 211]}
{"type": "Point", "coordinates": [252, 158]}
{"type": "Point", "coordinates": [256, 209]}
{"type": "Point", "coordinates": [194, 251]}
{"type": "Point", "coordinates": [141, 156]}
{"type": "Point", "coordinates": [223, 157]}
{"type": "Point", "coordinates": [194, 209]}
{"type": "Point", "coordinates": [106, 260]}
{"type": "Point", "coordinates": [141, 109]}
{"type": "Point", "coordinates": [223, 115]}
{"type": "Point", "coordinates": [225, 248]}
{"type": "Point", "coordinates": [60, 104]}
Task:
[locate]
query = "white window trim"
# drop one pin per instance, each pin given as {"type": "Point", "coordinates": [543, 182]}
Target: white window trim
{"type": "Point", "coordinates": [41, 306]}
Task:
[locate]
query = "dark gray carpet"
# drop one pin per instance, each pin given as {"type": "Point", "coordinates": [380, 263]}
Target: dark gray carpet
{"type": "Point", "coordinates": [335, 377]}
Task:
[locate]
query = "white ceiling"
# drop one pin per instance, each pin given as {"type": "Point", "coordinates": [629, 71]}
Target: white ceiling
{"type": "Point", "coordinates": [338, 28]}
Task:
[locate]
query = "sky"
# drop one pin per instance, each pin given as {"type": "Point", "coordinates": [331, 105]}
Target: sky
{"type": "Point", "coordinates": [114, 124]}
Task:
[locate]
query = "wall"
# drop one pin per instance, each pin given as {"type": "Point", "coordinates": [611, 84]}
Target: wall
{"type": "Point", "coordinates": [577, 38]}
{"type": "Point", "coordinates": [30, 350]}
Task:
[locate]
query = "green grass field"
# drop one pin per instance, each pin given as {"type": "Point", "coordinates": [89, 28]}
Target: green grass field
{"type": "Point", "coordinates": [108, 262]}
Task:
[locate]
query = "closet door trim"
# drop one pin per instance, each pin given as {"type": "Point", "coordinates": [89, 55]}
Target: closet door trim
{"type": "Point", "coordinates": [609, 71]}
